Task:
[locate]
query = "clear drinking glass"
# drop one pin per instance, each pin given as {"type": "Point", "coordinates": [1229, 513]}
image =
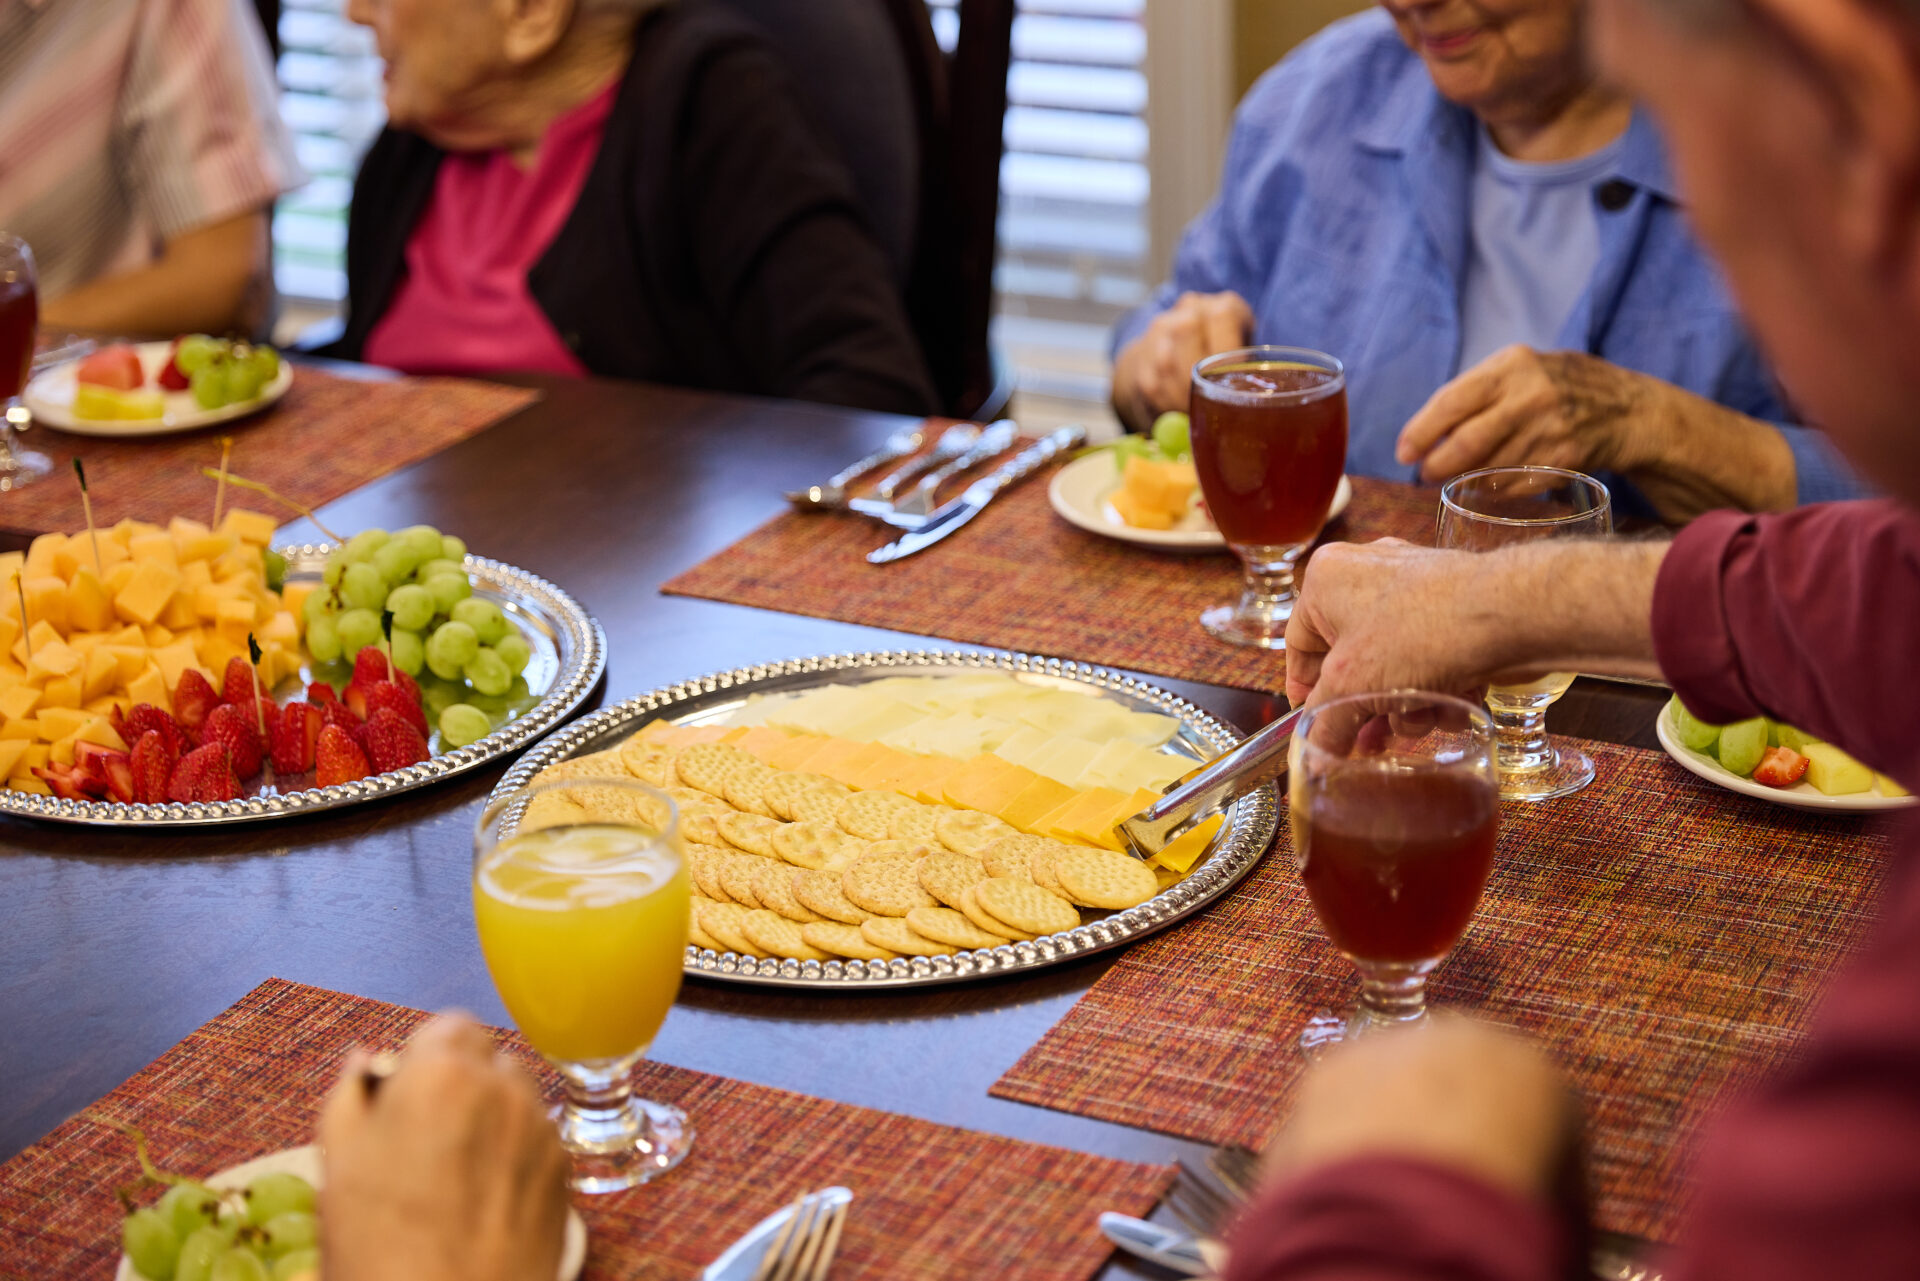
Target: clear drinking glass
{"type": "Point", "coordinates": [19, 314]}
{"type": "Point", "coordinates": [1497, 507]}
{"type": "Point", "coordinates": [1269, 443]}
{"type": "Point", "coordinates": [583, 922]}
{"type": "Point", "coordinates": [1395, 808]}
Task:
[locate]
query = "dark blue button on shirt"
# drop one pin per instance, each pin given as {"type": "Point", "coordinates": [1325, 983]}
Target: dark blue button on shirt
{"type": "Point", "coordinates": [1344, 216]}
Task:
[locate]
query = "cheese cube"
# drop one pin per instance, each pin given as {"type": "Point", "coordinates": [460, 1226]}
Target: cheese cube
{"type": "Point", "coordinates": [852, 767]}
{"type": "Point", "coordinates": [885, 767]}
{"type": "Point", "coordinates": [249, 527]}
{"type": "Point", "coordinates": [146, 594]}
{"type": "Point", "coordinates": [831, 755]}
{"type": "Point", "coordinates": [1184, 850]}
{"type": "Point", "coordinates": [1108, 766]}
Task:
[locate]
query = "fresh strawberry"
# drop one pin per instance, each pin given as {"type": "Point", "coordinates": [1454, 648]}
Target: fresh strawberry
{"type": "Point", "coordinates": [193, 698]}
{"type": "Point", "coordinates": [296, 737]}
{"type": "Point", "coordinates": [372, 664]}
{"type": "Point", "coordinates": [152, 765]}
{"type": "Point", "coordinates": [263, 720]}
{"type": "Point", "coordinates": [392, 741]}
{"type": "Point", "coordinates": [320, 694]}
{"type": "Point", "coordinates": [145, 718]}
{"type": "Point", "coordinates": [109, 772]}
{"type": "Point", "coordinates": [117, 367]}
{"type": "Point", "coordinates": [239, 684]}
{"type": "Point", "coordinates": [355, 697]}
{"type": "Point", "coordinates": [1780, 767]}
{"type": "Point", "coordinates": [173, 378]}
{"type": "Point", "coordinates": [204, 774]}
{"type": "Point", "coordinates": [338, 714]}
{"type": "Point", "coordinates": [234, 729]}
{"type": "Point", "coordinates": [63, 781]}
{"type": "Point", "coordinates": [387, 696]}
{"type": "Point", "coordinates": [337, 758]}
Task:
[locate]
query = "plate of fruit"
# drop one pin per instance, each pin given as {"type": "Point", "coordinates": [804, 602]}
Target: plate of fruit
{"type": "Point", "coordinates": [183, 675]}
{"type": "Point", "coordinates": [1775, 762]}
{"type": "Point", "coordinates": [1144, 490]}
{"type": "Point", "coordinates": [155, 388]}
{"type": "Point", "coordinates": [257, 1221]}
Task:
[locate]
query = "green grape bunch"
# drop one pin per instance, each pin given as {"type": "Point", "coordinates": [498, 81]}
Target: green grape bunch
{"type": "Point", "coordinates": [266, 1231]}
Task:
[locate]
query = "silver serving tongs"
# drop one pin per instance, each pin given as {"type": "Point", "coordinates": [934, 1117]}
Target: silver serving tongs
{"type": "Point", "coordinates": [1258, 760]}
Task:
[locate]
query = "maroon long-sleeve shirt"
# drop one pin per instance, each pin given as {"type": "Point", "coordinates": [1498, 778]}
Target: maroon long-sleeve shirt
{"type": "Point", "coordinates": [1812, 617]}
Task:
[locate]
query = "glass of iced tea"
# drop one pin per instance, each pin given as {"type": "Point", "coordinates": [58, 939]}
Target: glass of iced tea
{"type": "Point", "coordinates": [1395, 807]}
{"type": "Point", "coordinates": [1269, 443]}
{"type": "Point", "coordinates": [19, 313]}
{"type": "Point", "coordinates": [1497, 507]}
{"type": "Point", "coordinates": [581, 901]}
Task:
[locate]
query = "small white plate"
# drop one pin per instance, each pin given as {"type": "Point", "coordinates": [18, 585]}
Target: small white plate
{"type": "Point", "coordinates": [50, 397]}
{"type": "Point", "coordinates": [1080, 490]}
{"type": "Point", "coordinates": [305, 1162]}
{"type": "Point", "coordinates": [1801, 796]}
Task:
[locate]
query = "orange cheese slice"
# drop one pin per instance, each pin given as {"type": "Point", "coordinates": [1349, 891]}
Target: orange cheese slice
{"type": "Point", "coordinates": [1184, 850]}
{"type": "Point", "coordinates": [1035, 801]}
{"type": "Point", "coordinates": [925, 779]}
{"type": "Point", "coordinates": [986, 782]}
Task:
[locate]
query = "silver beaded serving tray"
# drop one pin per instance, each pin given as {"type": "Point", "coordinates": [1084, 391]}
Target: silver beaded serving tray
{"type": "Point", "coordinates": [569, 656]}
{"type": "Point", "coordinates": [1236, 848]}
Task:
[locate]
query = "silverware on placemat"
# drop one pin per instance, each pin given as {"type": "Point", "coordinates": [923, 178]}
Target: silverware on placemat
{"type": "Point", "coordinates": [994, 440]}
{"type": "Point", "coordinates": [954, 514]}
{"type": "Point", "coordinates": [831, 494]}
{"type": "Point", "coordinates": [794, 1243]}
{"type": "Point", "coordinates": [1203, 1202]}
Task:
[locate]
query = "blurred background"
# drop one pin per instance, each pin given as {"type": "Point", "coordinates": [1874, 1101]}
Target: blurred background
{"type": "Point", "coordinates": [1117, 115]}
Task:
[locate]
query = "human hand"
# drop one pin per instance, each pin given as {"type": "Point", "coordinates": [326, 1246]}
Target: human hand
{"type": "Point", "coordinates": [1155, 372]}
{"type": "Point", "coordinates": [1452, 1092]}
{"type": "Point", "coordinates": [1521, 406]}
{"type": "Point", "coordinates": [450, 1172]}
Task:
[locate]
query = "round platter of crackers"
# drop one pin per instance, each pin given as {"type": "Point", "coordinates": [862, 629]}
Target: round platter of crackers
{"type": "Point", "coordinates": [959, 826]}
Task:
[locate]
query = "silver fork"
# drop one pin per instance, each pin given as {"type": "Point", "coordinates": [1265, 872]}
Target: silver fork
{"type": "Point", "coordinates": [832, 494]}
{"type": "Point", "coordinates": [995, 440]}
{"type": "Point", "coordinates": [804, 1249]}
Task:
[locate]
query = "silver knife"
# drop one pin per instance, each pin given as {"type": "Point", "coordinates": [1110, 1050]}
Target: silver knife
{"type": "Point", "coordinates": [743, 1257]}
{"type": "Point", "coordinates": [1172, 1249]}
{"type": "Point", "coordinates": [981, 492]}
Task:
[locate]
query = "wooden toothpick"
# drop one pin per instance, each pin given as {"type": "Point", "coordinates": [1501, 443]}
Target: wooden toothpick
{"type": "Point", "coordinates": [26, 632]}
{"type": "Point", "coordinates": [253, 669]}
{"type": "Point", "coordinates": [86, 505]}
{"type": "Point", "coordinates": [220, 490]}
{"type": "Point", "coordinates": [277, 497]}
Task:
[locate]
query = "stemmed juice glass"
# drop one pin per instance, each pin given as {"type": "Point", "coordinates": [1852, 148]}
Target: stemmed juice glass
{"type": "Point", "coordinates": [1269, 443]}
{"type": "Point", "coordinates": [19, 313]}
{"type": "Point", "coordinates": [1395, 808]}
{"type": "Point", "coordinates": [1497, 507]}
{"type": "Point", "coordinates": [584, 928]}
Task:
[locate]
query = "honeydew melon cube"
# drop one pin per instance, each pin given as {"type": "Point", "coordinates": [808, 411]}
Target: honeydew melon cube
{"type": "Point", "coordinates": [46, 600]}
{"type": "Point", "coordinates": [150, 686]}
{"type": "Point", "coordinates": [146, 594]}
{"type": "Point", "coordinates": [255, 528]}
{"type": "Point", "coordinates": [1742, 744]}
{"type": "Point", "coordinates": [18, 701]}
{"type": "Point", "coordinates": [1831, 771]}
{"type": "Point", "coordinates": [11, 750]}
{"type": "Point", "coordinates": [1888, 787]}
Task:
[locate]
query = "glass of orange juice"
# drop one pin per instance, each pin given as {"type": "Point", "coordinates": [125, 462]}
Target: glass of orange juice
{"type": "Point", "coordinates": [580, 897]}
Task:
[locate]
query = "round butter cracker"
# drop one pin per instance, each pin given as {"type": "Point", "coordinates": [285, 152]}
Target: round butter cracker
{"type": "Point", "coordinates": [887, 885]}
{"type": "Point", "coordinates": [820, 892]}
{"type": "Point", "coordinates": [723, 921]}
{"type": "Point", "coordinates": [843, 940]}
{"type": "Point", "coordinates": [870, 814]}
{"type": "Point", "coordinates": [816, 845]}
{"type": "Point", "coordinates": [773, 886]}
{"type": "Point", "coordinates": [774, 933]}
{"type": "Point", "coordinates": [707, 766]}
{"type": "Point", "coordinates": [946, 875]}
{"type": "Point", "coordinates": [945, 925]}
{"type": "Point", "coordinates": [1104, 878]}
{"type": "Point", "coordinates": [1025, 906]}
{"type": "Point", "coordinates": [896, 935]}
{"type": "Point", "coordinates": [970, 831]}
{"type": "Point", "coordinates": [751, 832]}
{"type": "Point", "coordinates": [786, 787]}
{"type": "Point", "coordinates": [971, 909]}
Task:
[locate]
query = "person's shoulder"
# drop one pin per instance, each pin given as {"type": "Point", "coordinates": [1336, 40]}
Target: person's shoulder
{"type": "Point", "coordinates": [694, 30]}
{"type": "Point", "coordinates": [1339, 74]}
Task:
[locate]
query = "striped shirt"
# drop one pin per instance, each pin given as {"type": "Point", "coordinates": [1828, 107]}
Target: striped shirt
{"type": "Point", "coordinates": [124, 123]}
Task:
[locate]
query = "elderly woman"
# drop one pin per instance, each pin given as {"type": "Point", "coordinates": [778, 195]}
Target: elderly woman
{"type": "Point", "coordinates": [617, 187]}
{"type": "Point", "coordinates": [1442, 194]}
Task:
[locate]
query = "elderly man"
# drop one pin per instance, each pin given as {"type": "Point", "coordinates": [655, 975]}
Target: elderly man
{"type": "Point", "coordinates": [1795, 126]}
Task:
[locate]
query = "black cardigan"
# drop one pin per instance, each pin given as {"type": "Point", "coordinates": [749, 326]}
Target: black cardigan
{"type": "Point", "coordinates": [717, 242]}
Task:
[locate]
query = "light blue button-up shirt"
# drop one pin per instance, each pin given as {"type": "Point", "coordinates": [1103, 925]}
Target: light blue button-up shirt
{"type": "Point", "coordinates": [1344, 221]}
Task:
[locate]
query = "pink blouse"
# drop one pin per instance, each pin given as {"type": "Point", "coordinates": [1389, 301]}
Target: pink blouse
{"type": "Point", "coordinates": [464, 306]}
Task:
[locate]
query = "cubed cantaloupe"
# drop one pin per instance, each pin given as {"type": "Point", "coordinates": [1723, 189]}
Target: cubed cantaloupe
{"type": "Point", "coordinates": [248, 526]}
{"type": "Point", "coordinates": [146, 594]}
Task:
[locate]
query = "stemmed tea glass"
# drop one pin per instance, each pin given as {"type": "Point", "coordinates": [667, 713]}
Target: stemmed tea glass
{"type": "Point", "coordinates": [1394, 807]}
{"type": "Point", "coordinates": [581, 900]}
{"type": "Point", "coordinates": [1269, 444]}
{"type": "Point", "coordinates": [1497, 507]}
{"type": "Point", "coordinates": [19, 313]}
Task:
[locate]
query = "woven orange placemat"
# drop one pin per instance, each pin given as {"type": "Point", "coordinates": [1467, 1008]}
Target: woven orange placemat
{"type": "Point", "coordinates": [1663, 938]}
{"type": "Point", "coordinates": [930, 1201]}
{"type": "Point", "coordinates": [330, 435]}
{"type": "Point", "coordinates": [1019, 577]}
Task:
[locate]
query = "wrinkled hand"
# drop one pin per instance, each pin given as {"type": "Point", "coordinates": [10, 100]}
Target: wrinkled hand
{"type": "Point", "coordinates": [1155, 372]}
{"type": "Point", "coordinates": [1389, 615]}
{"type": "Point", "coordinates": [450, 1172]}
{"type": "Point", "coordinates": [1554, 409]}
{"type": "Point", "coordinates": [1452, 1092]}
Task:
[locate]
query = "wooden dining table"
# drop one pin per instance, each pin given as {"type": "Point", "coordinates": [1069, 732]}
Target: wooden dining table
{"type": "Point", "coordinates": [115, 945]}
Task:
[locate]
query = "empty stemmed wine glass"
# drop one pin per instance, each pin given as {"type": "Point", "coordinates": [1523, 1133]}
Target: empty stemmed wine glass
{"type": "Point", "coordinates": [1497, 507]}
{"type": "Point", "coordinates": [1395, 810]}
{"type": "Point", "coordinates": [19, 313]}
